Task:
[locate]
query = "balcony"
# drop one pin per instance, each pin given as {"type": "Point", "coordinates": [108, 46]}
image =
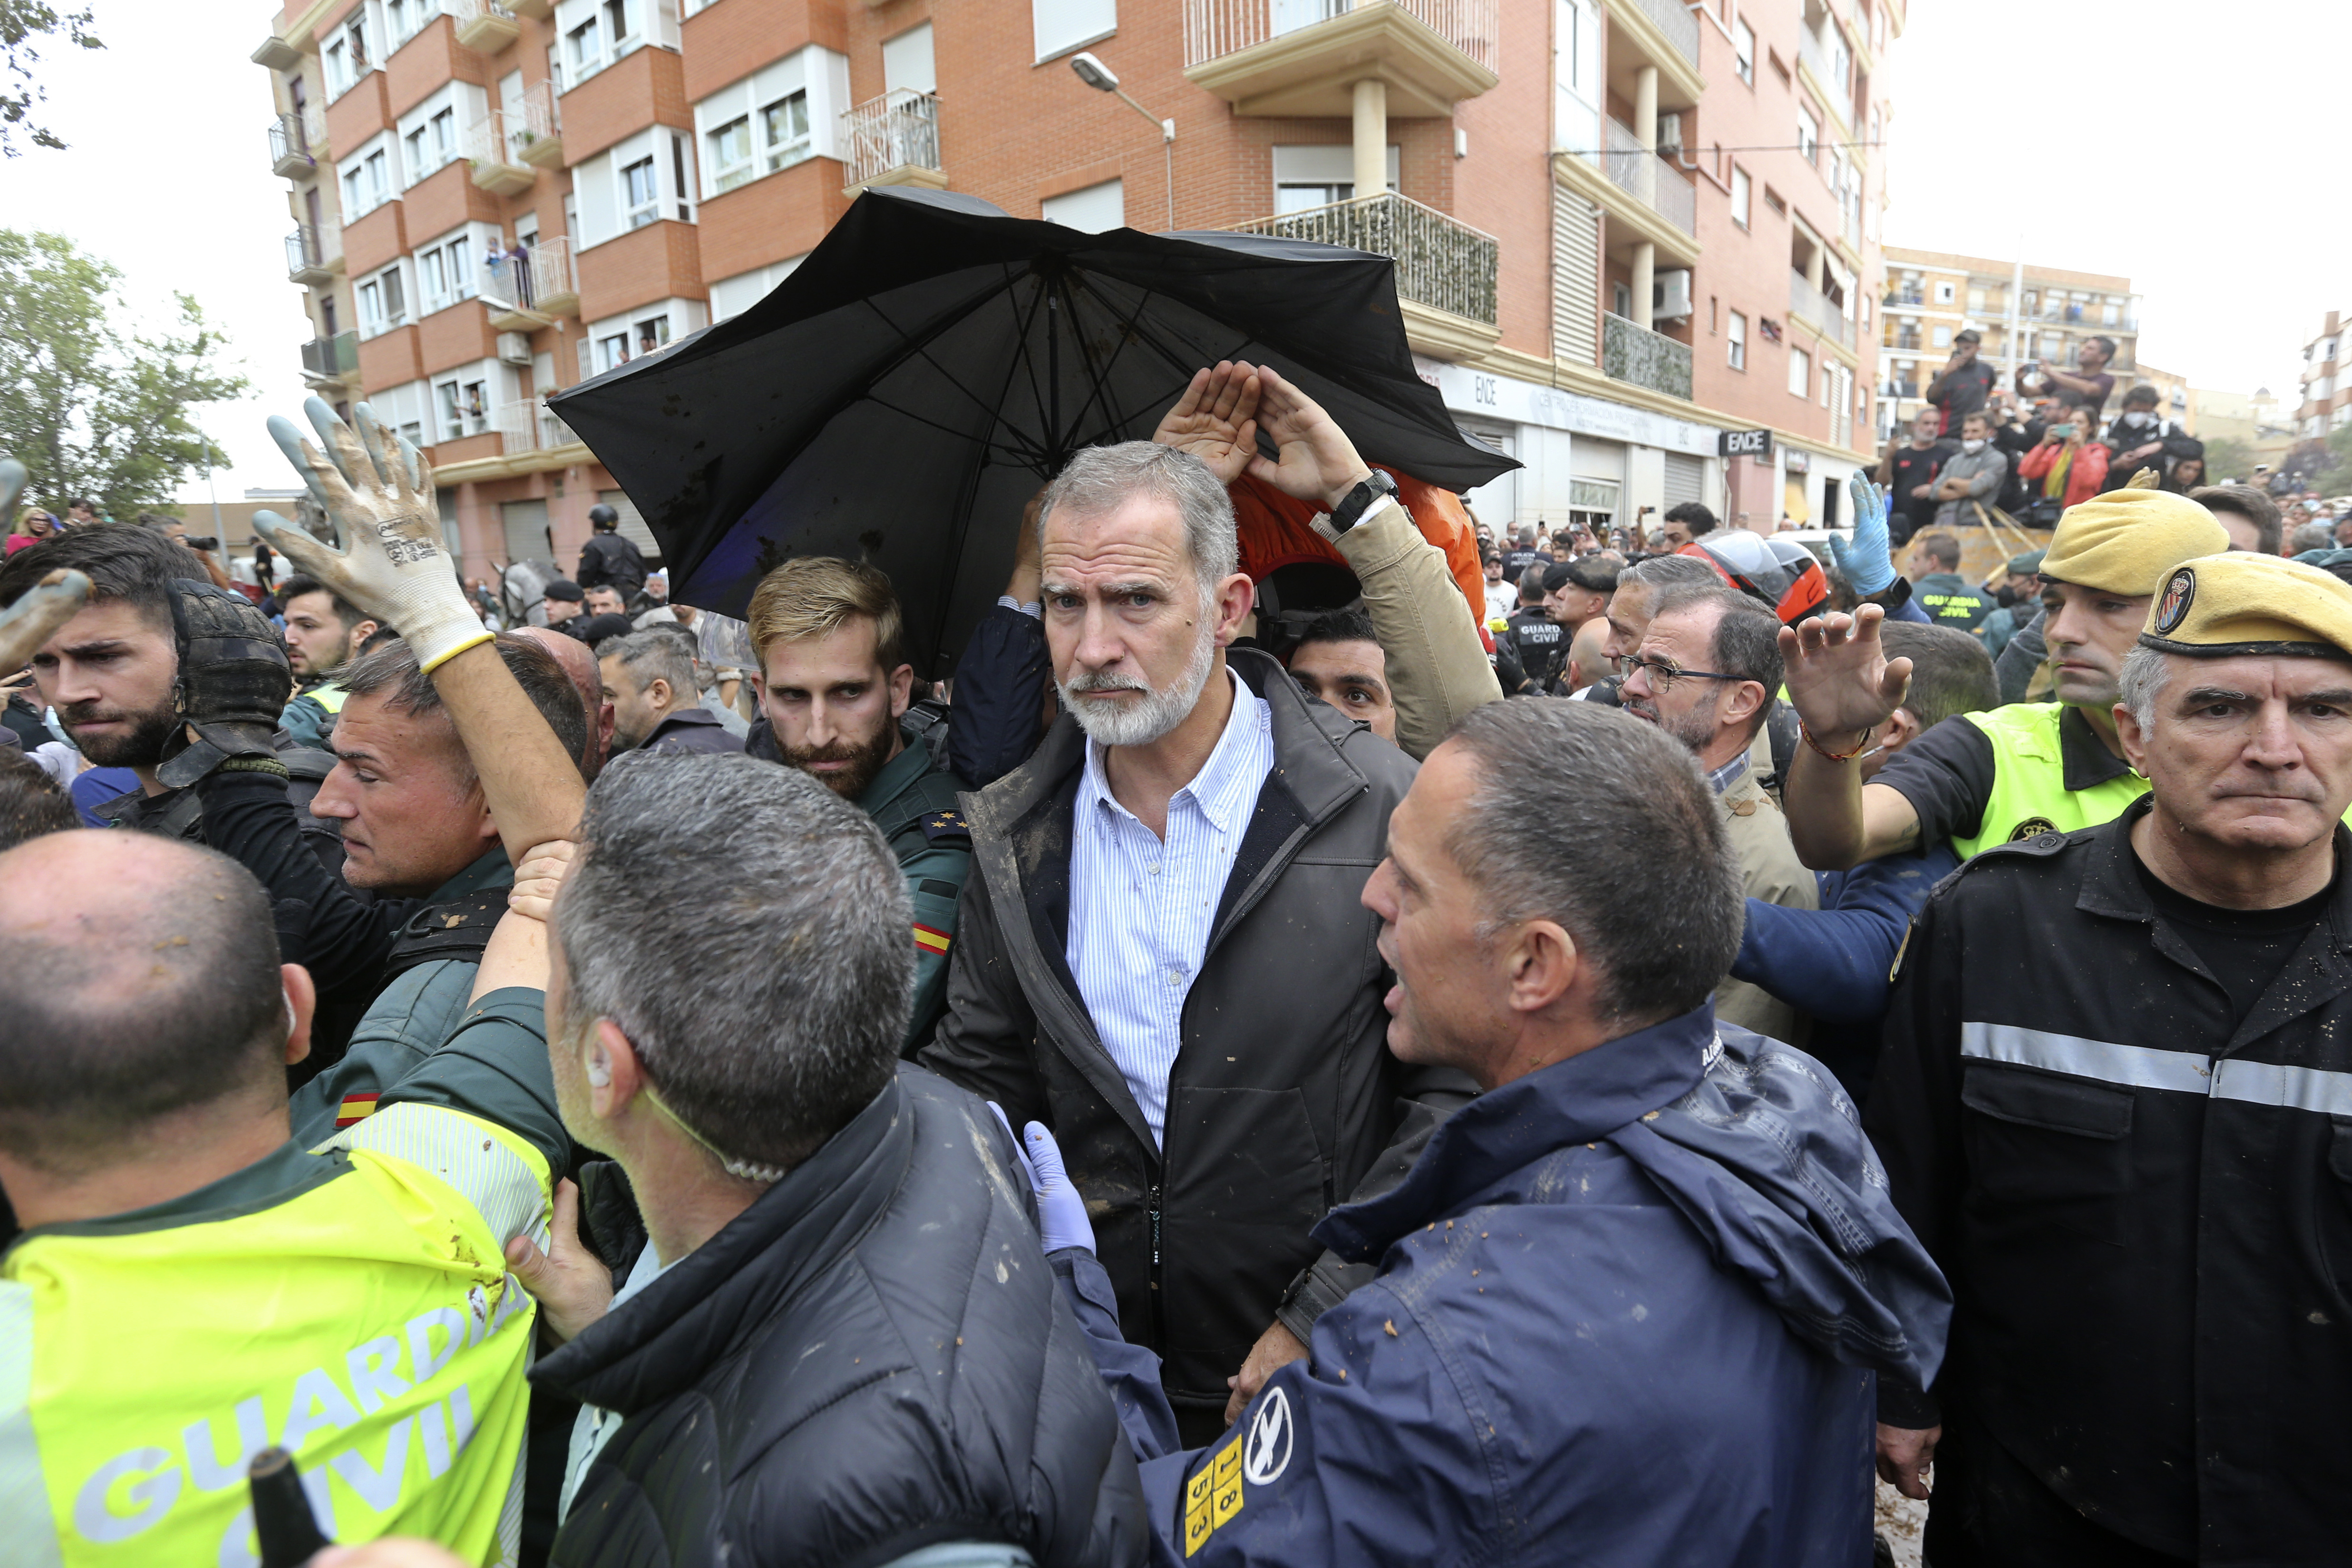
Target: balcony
{"type": "Point", "coordinates": [1642, 358]}
{"type": "Point", "coordinates": [1644, 175]}
{"type": "Point", "coordinates": [332, 362]}
{"type": "Point", "coordinates": [314, 256]}
{"type": "Point", "coordinates": [485, 26]}
{"type": "Point", "coordinates": [1896, 298]}
{"type": "Point", "coordinates": [1305, 57]}
{"type": "Point", "coordinates": [537, 10]}
{"type": "Point", "coordinates": [1445, 270]}
{"type": "Point", "coordinates": [1821, 60]}
{"type": "Point", "coordinates": [532, 288]}
{"type": "Point", "coordinates": [276, 54]}
{"type": "Point", "coordinates": [1899, 390]}
{"type": "Point", "coordinates": [1676, 22]}
{"type": "Point", "coordinates": [1815, 309]}
{"type": "Point", "coordinates": [526, 426]}
{"type": "Point", "coordinates": [536, 132]}
{"type": "Point", "coordinates": [497, 167]}
{"type": "Point", "coordinates": [1902, 342]}
{"type": "Point", "coordinates": [893, 140]}
{"type": "Point", "coordinates": [297, 142]}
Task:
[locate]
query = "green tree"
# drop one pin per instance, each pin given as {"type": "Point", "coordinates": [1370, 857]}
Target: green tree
{"type": "Point", "coordinates": [2227, 458]}
{"type": "Point", "coordinates": [21, 21]}
{"type": "Point", "coordinates": [91, 408]}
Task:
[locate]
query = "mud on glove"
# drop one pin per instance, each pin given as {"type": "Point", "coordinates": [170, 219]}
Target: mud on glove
{"type": "Point", "coordinates": [233, 683]}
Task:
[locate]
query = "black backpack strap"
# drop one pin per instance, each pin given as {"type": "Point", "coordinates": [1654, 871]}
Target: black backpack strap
{"type": "Point", "coordinates": [458, 929]}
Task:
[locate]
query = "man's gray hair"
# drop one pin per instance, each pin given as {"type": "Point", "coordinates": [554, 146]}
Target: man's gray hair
{"type": "Point", "coordinates": [2146, 672]}
{"type": "Point", "coordinates": [1101, 478]}
{"type": "Point", "coordinates": [746, 928]}
{"type": "Point", "coordinates": [1632, 862]}
{"type": "Point", "coordinates": [1670, 571]}
{"type": "Point", "coordinates": [2312, 535]}
{"type": "Point", "coordinates": [654, 656]}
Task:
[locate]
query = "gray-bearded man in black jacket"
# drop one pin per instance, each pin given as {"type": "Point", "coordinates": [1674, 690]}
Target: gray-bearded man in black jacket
{"type": "Point", "coordinates": [1164, 956]}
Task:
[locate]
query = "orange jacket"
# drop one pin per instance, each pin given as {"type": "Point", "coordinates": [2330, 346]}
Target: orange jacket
{"type": "Point", "coordinates": [1275, 530]}
{"type": "Point", "coordinates": [2086, 479]}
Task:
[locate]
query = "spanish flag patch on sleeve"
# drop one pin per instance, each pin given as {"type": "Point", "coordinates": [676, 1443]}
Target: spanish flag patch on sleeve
{"type": "Point", "coordinates": [354, 1108]}
{"type": "Point", "coordinates": [929, 938]}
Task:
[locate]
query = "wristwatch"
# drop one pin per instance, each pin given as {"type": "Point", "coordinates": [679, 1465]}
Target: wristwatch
{"type": "Point", "coordinates": [1352, 509]}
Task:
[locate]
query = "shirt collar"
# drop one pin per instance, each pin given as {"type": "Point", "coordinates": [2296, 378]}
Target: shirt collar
{"type": "Point", "coordinates": [2085, 761]}
{"type": "Point", "coordinates": [491, 869]}
{"type": "Point", "coordinates": [1223, 790]}
{"type": "Point", "coordinates": [1725, 776]}
{"type": "Point", "coordinates": [912, 762]}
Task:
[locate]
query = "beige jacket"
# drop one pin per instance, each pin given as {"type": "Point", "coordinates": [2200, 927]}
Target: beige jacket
{"type": "Point", "coordinates": [1437, 665]}
{"type": "Point", "coordinates": [1770, 870]}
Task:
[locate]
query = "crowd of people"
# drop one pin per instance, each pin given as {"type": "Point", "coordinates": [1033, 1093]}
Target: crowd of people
{"type": "Point", "coordinates": [1561, 1049]}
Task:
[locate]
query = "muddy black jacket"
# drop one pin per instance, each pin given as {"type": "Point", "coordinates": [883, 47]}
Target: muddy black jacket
{"type": "Point", "coordinates": [872, 1358]}
{"type": "Point", "coordinates": [2146, 1216]}
{"type": "Point", "coordinates": [1283, 1100]}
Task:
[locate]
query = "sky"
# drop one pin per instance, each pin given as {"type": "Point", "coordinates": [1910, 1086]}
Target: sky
{"type": "Point", "coordinates": [2196, 154]}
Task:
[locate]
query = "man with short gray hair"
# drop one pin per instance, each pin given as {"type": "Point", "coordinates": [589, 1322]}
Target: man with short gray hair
{"type": "Point", "coordinates": [655, 705]}
{"type": "Point", "coordinates": [1162, 956]}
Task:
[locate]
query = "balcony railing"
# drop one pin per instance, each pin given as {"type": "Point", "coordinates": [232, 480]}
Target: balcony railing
{"type": "Point", "coordinates": [897, 130]}
{"type": "Point", "coordinates": [485, 26]}
{"type": "Point", "coordinates": [526, 426]}
{"type": "Point", "coordinates": [535, 128]}
{"type": "Point", "coordinates": [1445, 265]}
{"type": "Point", "coordinates": [1636, 355]}
{"type": "Point", "coordinates": [1811, 305]}
{"type": "Point", "coordinates": [1900, 389]}
{"type": "Point", "coordinates": [297, 142]}
{"type": "Point", "coordinates": [1213, 28]}
{"type": "Point", "coordinates": [539, 280]}
{"type": "Point", "coordinates": [1896, 298]}
{"type": "Point", "coordinates": [311, 253]}
{"type": "Point", "coordinates": [1678, 23]}
{"type": "Point", "coordinates": [1818, 59]}
{"type": "Point", "coordinates": [331, 359]}
{"type": "Point", "coordinates": [1908, 342]}
{"type": "Point", "coordinates": [1642, 173]}
{"type": "Point", "coordinates": [497, 163]}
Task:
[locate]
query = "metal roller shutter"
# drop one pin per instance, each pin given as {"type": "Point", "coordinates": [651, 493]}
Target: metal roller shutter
{"type": "Point", "coordinates": [632, 525]}
{"type": "Point", "coordinates": [1575, 277]}
{"type": "Point", "coordinates": [1685, 476]}
{"type": "Point", "coordinates": [524, 525]}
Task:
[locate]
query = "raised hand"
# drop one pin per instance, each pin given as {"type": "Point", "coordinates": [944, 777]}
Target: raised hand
{"type": "Point", "coordinates": [1867, 563]}
{"type": "Point", "coordinates": [1319, 462]}
{"type": "Point", "coordinates": [1215, 420]}
{"type": "Point", "coordinates": [379, 493]}
{"type": "Point", "coordinates": [1838, 676]}
{"type": "Point", "coordinates": [38, 614]}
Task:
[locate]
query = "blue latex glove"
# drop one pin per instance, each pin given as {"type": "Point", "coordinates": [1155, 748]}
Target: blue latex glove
{"type": "Point", "coordinates": [1867, 563]}
{"type": "Point", "coordinates": [1061, 1212]}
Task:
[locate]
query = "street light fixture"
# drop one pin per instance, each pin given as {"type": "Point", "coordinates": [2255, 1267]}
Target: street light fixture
{"type": "Point", "coordinates": [1102, 78]}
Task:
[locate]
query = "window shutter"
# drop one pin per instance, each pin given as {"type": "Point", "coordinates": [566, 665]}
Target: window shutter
{"type": "Point", "coordinates": [1575, 277]}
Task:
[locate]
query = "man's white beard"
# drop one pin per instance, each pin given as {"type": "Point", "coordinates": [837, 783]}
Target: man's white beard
{"type": "Point", "coordinates": [1142, 722]}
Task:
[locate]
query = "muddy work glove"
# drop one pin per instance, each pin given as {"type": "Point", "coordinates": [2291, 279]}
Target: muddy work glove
{"type": "Point", "coordinates": [233, 684]}
{"type": "Point", "coordinates": [378, 491]}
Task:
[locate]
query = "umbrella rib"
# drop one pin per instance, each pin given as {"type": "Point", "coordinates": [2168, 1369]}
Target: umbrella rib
{"type": "Point", "coordinates": [1175, 362]}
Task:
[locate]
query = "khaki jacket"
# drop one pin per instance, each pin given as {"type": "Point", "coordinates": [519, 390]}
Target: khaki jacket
{"type": "Point", "coordinates": [1770, 870]}
{"type": "Point", "coordinates": [1437, 664]}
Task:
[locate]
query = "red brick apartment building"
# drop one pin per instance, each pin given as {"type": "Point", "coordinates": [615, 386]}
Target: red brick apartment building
{"type": "Point", "coordinates": [1629, 226]}
{"type": "Point", "coordinates": [2326, 379]}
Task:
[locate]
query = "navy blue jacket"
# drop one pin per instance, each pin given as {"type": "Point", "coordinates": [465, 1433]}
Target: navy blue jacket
{"type": "Point", "coordinates": [1629, 1310]}
{"type": "Point", "coordinates": [1836, 963]}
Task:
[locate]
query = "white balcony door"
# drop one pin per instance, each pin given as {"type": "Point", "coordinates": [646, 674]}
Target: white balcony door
{"type": "Point", "coordinates": [907, 63]}
{"type": "Point", "coordinates": [1315, 176]}
{"type": "Point", "coordinates": [1289, 15]}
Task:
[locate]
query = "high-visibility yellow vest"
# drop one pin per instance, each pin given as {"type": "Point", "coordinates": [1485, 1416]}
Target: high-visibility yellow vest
{"type": "Point", "coordinates": [329, 696]}
{"type": "Point", "coordinates": [350, 1305]}
{"type": "Point", "coordinates": [2029, 781]}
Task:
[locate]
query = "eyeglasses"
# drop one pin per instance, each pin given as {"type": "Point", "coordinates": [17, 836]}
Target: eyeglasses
{"type": "Point", "coordinates": [1665, 673]}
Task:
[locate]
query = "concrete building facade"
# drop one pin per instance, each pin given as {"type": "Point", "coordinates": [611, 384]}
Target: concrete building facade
{"type": "Point", "coordinates": [1626, 227]}
{"type": "Point", "coordinates": [2326, 402]}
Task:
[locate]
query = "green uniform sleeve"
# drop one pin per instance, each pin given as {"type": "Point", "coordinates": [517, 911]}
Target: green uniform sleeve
{"type": "Point", "coordinates": [494, 1065]}
{"type": "Point", "coordinates": [935, 877]}
{"type": "Point", "coordinates": [307, 722]}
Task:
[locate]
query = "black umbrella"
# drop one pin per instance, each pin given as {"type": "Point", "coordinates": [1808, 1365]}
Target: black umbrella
{"type": "Point", "coordinates": [902, 394]}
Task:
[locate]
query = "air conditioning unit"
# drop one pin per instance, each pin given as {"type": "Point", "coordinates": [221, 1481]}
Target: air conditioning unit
{"type": "Point", "coordinates": [514, 348]}
{"type": "Point", "coordinates": [1670, 296]}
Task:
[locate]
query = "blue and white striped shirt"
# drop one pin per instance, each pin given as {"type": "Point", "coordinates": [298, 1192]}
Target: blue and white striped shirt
{"type": "Point", "coordinates": [1140, 909]}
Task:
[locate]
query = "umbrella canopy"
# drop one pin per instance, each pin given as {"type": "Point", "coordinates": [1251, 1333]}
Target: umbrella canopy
{"type": "Point", "coordinates": [900, 395]}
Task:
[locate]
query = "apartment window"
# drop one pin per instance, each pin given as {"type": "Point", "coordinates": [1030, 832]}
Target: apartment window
{"type": "Point", "coordinates": [1742, 192]}
{"type": "Point", "coordinates": [612, 352]}
{"type": "Point", "coordinates": [640, 200]}
{"type": "Point", "coordinates": [1097, 209]}
{"type": "Point", "coordinates": [1800, 373]}
{"type": "Point", "coordinates": [1577, 88]}
{"type": "Point", "coordinates": [1736, 335]}
{"type": "Point", "coordinates": [445, 274]}
{"type": "Point", "coordinates": [462, 408]}
{"type": "Point", "coordinates": [653, 332]}
{"type": "Point", "coordinates": [1316, 176]}
{"type": "Point", "coordinates": [367, 185]}
{"type": "Point", "coordinates": [1060, 25]}
{"type": "Point", "coordinates": [1809, 134]}
{"type": "Point", "coordinates": [1621, 300]}
{"type": "Point", "coordinates": [432, 144]}
{"type": "Point", "coordinates": [730, 153]}
{"type": "Point", "coordinates": [783, 132]}
{"type": "Point", "coordinates": [583, 53]}
{"type": "Point", "coordinates": [1772, 200]}
{"type": "Point", "coordinates": [384, 303]}
{"type": "Point", "coordinates": [347, 54]}
{"type": "Point", "coordinates": [1941, 338]}
{"type": "Point", "coordinates": [1946, 291]}
{"type": "Point", "coordinates": [1976, 301]}
{"type": "Point", "coordinates": [2109, 313]}
{"type": "Point", "coordinates": [1743, 52]}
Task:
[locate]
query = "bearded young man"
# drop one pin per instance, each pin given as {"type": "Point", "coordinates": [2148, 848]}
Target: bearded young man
{"type": "Point", "coordinates": [323, 633]}
{"type": "Point", "coordinates": [835, 686]}
{"type": "Point", "coordinates": [1165, 958]}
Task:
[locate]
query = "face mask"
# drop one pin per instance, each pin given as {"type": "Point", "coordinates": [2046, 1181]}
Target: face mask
{"type": "Point", "coordinates": [2139, 420]}
{"type": "Point", "coordinates": [1972, 447]}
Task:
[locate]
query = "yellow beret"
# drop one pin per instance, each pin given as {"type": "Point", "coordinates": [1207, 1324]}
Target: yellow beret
{"type": "Point", "coordinates": [2127, 541]}
{"type": "Point", "coordinates": [2240, 603]}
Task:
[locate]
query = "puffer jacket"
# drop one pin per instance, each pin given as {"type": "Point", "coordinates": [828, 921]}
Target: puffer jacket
{"type": "Point", "coordinates": [872, 1358]}
{"type": "Point", "coordinates": [1284, 1098]}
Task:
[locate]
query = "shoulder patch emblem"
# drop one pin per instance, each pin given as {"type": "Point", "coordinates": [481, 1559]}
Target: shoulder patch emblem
{"type": "Point", "coordinates": [931, 939]}
{"type": "Point", "coordinates": [949, 824]}
{"type": "Point", "coordinates": [1267, 1451]}
{"type": "Point", "coordinates": [2032, 827]}
{"type": "Point", "coordinates": [2173, 608]}
{"type": "Point", "coordinates": [354, 1108]}
{"type": "Point", "coordinates": [1212, 1496]}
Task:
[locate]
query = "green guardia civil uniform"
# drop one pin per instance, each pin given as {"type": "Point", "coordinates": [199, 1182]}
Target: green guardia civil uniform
{"type": "Point", "coordinates": [349, 1303]}
{"type": "Point", "coordinates": [913, 801]}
